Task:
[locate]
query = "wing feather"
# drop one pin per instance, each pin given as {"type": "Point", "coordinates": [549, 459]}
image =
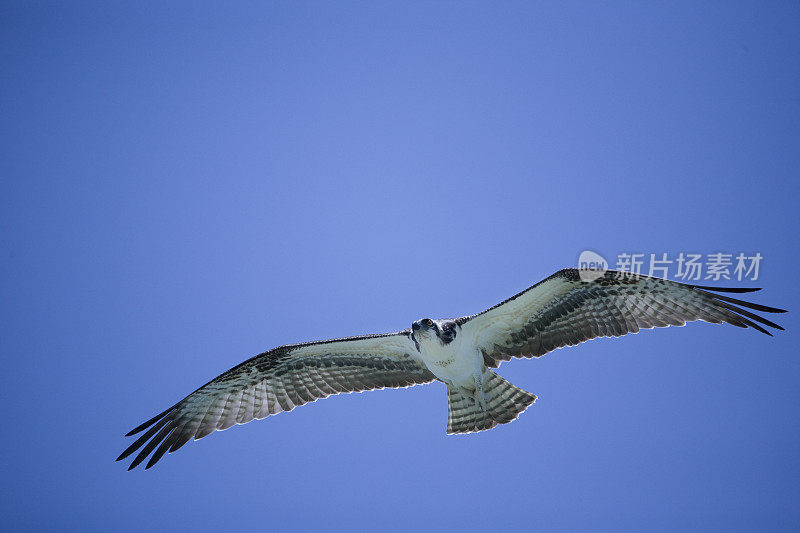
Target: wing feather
{"type": "Point", "coordinates": [563, 310]}
{"type": "Point", "coordinates": [276, 381]}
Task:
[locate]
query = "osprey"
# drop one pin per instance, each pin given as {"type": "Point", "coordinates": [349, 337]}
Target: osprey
{"type": "Point", "coordinates": [562, 310]}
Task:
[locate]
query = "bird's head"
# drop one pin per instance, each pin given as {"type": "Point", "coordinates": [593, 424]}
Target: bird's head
{"type": "Point", "coordinates": [426, 330]}
{"type": "Point", "coordinates": [424, 327]}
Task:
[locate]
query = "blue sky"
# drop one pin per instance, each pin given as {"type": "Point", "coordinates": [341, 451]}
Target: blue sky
{"type": "Point", "coordinates": [185, 186]}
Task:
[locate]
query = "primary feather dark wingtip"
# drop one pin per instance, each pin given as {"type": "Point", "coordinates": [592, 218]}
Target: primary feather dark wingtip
{"type": "Point", "coordinates": [727, 289]}
{"type": "Point", "coordinates": [150, 422]}
{"type": "Point", "coordinates": [757, 327]}
{"type": "Point", "coordinates": [758, 307]}
{"type": "Point", "coordinates": [142, 427]}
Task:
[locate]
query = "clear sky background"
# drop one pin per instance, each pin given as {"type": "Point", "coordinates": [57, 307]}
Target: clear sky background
{"type": "Point", "coordinates": [186, 185]}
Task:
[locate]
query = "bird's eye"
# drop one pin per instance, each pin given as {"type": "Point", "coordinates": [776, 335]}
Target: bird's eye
{"type": "Point", "coordinates": [429, 322]}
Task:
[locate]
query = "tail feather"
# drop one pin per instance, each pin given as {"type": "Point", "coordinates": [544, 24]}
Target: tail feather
{"type": "Point", "coordinates": [504, 403]}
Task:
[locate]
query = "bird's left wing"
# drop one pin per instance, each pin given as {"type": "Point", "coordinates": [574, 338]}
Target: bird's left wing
{"type": "Point", "coordinates": [280, 380]}
{"type": "Point", "coordinates": [564, 310]}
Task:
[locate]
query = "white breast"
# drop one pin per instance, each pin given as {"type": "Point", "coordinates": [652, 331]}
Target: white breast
{"type": "Point", "coordinates": [456, 362]}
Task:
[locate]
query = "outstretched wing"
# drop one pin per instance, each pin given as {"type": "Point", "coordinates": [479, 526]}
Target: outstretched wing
{"type": "Point", "coordinates": [563, 310]}
{"type": "Point", "coordinates": [280, 380]}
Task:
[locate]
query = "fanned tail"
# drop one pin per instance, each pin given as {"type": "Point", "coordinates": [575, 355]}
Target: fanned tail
{"type": "Point", "coordinates": [504, 403]}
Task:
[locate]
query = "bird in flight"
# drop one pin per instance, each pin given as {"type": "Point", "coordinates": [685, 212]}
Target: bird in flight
{"type": "Point", "coordinates": [564, 309]}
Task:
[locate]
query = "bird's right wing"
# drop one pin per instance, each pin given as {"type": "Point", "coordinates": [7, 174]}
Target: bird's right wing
{"type": "Point", "coordinates": [280, 380]}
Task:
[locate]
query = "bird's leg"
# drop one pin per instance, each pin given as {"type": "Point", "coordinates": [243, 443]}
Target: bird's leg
{"type": "Point", "coordinates": [480, 395]}
{"type": "Point", "coordinates": [477, 375]}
